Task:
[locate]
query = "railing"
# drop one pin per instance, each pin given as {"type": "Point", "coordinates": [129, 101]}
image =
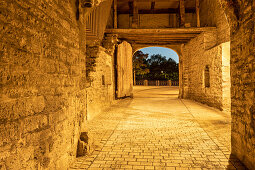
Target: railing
{"type": "Point", "coordinates": [175, 83]}
{"type": "Point", "coordinates": [151, 83]}
{"type": "Point", "coordinates": [156, 83]}
{"type": "Point", "coordinates": [164, 83]}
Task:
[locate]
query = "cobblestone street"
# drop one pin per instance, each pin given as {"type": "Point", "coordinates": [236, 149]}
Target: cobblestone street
{"type": "Point", "coordinates": [156, 130]}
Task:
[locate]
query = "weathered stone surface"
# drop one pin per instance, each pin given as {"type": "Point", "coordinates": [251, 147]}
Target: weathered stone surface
{"type": "Point", "coordinates": [226, 80]}
{"type": "Point", "coordinates": [90, 3]}
{"type": "Point", "coordinates": [43, 79]}
{"type": "Point", "coordinates": [242, 82]}
{"type": "Point", "coordinates": [42, 63]}
{"type": "Point", "coordinates": [212, 14]}
{"type": "Point", "coordinates": [83, 144]}
{"type": "Point", "coordinates": [195, 58]}
{"type": "Point", "coordinates": [100, 90]}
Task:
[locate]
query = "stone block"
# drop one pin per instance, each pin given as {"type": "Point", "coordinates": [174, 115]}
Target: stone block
{"type": "Point", "coordinates": [9, 132]}
{"type": "Point", "coordinates": [35, 123]}
{"type": "Point", "coordinates": [37, 104]}
{"type": "Point", "coordinates": [82, 147]}
{"type": "Point", "coordinates": [85, 144]}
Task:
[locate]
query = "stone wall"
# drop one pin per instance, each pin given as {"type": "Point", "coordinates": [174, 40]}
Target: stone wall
{"type": "Point", "coordinates": [212, 15]}
{"type": "Point", "coordinates": [42, 83]}
{"type": "Point", "coordinates": [197, 59]}
{"type": "Point", "coordinates": [213, 48]}
{"type": "Point", "coordinates": [183, 73]}
{"type": "Point", "coordinates": [100, 92]}
{"type": "Point", "coordinates": [226, 80]}
{"type": "Point", "coordinates": [196, 56]}
{"type": "Point", "coordinates": [243, 80]}
{"type": "Point", "coordinates": [241, 18]}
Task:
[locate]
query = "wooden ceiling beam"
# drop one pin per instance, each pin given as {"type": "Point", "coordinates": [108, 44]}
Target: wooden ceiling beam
{"type": "Point", "coordinates": [158, 39]}
{"type": "Point", "coordinates": [158, 11]}
{"type": "Point", "coordinates": [158, 36]}
{"type": "Point", "coordinates": [149, 0]}
{"type": "Point", "coordinates": [159, 42]}
{"type": "Point", "coordinates": [161, 31]}
{"type": "Point", "coordinates": [182, 13]}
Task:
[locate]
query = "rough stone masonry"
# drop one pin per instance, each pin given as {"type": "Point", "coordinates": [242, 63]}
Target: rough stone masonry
{"type": "Point", "coordinates": [42, 83]}
{"type": "Point", "coordinates": [243, 81]}
{"type": "Point", "coordinates": [43, 79]}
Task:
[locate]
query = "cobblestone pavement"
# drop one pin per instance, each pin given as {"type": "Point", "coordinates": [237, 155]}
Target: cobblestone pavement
{"type": "Point", "coordinates": [156, 130]}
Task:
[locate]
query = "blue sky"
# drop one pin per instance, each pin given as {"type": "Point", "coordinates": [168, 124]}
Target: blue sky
{"type": "Point", "coordinates": [163, 51]}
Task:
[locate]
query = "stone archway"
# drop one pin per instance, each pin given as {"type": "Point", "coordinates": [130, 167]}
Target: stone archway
{"type": "Point", "coordinates": [161, 50]}
{"type": "Point", "coordinates": [175, 48]}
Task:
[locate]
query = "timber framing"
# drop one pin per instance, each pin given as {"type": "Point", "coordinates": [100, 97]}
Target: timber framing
{"type": "Point", "coordinates": [160, 31]}
{"type": "Point", "coordinates": [198, 13]}
{"type": "Point", "coordinates": [135, 19]}
{"type": "Point", "coordinates": [159, 36]}
{"type": "Point", "coordinates": [115, 14]}
{"type": "Point", "coordinates": [159, 11]}
{"type": "Point", "coordinates": [182, 13]}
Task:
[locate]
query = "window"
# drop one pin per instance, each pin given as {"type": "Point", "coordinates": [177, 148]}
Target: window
{"type": "Point", "coordinates": [207, 76]}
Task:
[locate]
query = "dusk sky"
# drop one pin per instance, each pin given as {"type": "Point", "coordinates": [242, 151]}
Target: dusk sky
{"type": "Point", "coordinates": [163, 51]}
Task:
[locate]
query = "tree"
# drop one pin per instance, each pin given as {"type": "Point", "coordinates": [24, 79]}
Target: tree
{"type": "Point", "coordinates": [162, 68]}
{"type": "Point", "coordinates": [140, 66]}
{"type": "Point", "coordinates": [157, 67]}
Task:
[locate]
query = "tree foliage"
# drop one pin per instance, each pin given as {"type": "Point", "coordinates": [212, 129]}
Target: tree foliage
{"type": "Point", "coordinates": [140, 65]}
{"type": "Point", "coordinates": [160, 68]}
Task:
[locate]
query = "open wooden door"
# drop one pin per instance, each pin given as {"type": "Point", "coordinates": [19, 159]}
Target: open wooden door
{"type": "Point", "coordinates": [124, 70]}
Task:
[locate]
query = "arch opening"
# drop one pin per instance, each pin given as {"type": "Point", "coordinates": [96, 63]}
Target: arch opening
{"type": "Point", "coordinates": [156, 66]}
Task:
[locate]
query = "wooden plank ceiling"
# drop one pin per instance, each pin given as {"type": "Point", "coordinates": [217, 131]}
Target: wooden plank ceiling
{"type": "Point", "coordinates": [157, 36]}
{"type": "Point", "coordinates": [157, 5]}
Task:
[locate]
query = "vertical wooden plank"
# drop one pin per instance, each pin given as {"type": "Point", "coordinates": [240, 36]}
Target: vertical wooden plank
{"type": "Point", "coordinates": [130, 4]}
{"type": "Point", "coordinates": [115, 14]}
{"type": "Point", "coordinates": [197, 13]}
{"type": "Point", "coordinates": [124, 70]}
{"type": "Point", "coordinates": [174, 20]}
{"type": "Point", "coordinates": [134, 77]}
{"type": "Point", "coordinates": [135, 15]}
{"type": "Point", "coordinates": [152, 5]}
{"type": "Point", "coordinates": [120, 75]}
{"type": "Point", "coordinates": [182, 13]}
{"type": "Point", "coordinates": [120, 71]}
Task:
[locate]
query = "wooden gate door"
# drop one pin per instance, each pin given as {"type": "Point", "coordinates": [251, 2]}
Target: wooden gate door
{"type": "Point", "coordinates": [124, 70]}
